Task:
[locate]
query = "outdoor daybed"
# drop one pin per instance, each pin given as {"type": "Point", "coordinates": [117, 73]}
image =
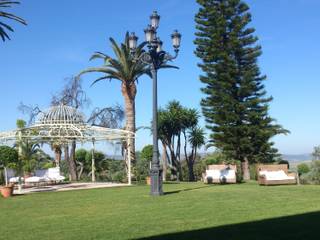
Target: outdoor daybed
{"type": "Point", "coordinates": [47, 175]}
{"type": "Point", "coordinates": [220, 173]}
{"type": "Point", "coordinates": [11, 176]}
{"type": "Point", "coordinates": [275, 175]}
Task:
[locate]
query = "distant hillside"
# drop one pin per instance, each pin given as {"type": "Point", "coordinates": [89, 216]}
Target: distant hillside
{"type": "Point", "coordinates": [297, 157]}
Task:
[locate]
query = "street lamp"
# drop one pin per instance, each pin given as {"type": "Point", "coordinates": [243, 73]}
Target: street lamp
{"type": "Point", "coordinates": [155, 57]}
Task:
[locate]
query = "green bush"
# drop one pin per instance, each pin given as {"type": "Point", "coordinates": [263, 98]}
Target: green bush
{"type": "Point", "coordinates": [313, 176]}
{"type": "Point", "coordinates": [303, 168]}
{"type": "Point", "coordinates": [253, 171]}
{"type": "Point", "coordinates": [142, 166]}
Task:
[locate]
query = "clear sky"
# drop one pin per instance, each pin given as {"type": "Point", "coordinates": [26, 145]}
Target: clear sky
{"type": "Point", "coordinates": [61, 36]}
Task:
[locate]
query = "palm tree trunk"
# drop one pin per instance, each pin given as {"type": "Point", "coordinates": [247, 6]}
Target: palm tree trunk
{"type": "Point", "coordinates": [72, 174]}
{"type": "Point", "coordinates": [72, 161]}
{"type": "Point", "coordinates": [164, 162]}
{"type": "Point", "coordinates": [57, 156]}
{"type": "Point", "coordinates": [129, 94]}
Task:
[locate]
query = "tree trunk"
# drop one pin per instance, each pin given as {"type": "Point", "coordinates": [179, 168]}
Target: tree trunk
{"type": "Point", "coordinates": [174, 163]}
{"type": "Point", "coordinates": [190, 162]}
{"type": "Point", "coordinates": [66, 157]}
{"type": "Point", "coordinates": [129, 93]}
{"type": "Point", "coordinates": [57, 156]}
{"type": "Point", "coordinates": [164, 162]}
{"type": "Point", "coordinates": [72, 174]}
{"type": "Point", "coordinates": [245, 169]}
{"type": "Point", "coordinates": [72, 161]}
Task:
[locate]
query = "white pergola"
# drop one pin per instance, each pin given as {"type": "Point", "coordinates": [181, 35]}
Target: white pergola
{"type": "Point", "coordinates": [63, 124]}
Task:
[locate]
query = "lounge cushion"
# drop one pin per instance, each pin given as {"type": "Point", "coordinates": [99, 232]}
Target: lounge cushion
{"type": "Point", "coordinates": [15, 180]}
{"type": "Point", "coordinates": [36, 179]}
{"type": "Point", "coordinates": [276, 175]}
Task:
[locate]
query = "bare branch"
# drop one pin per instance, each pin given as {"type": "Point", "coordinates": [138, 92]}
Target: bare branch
{"type": "Point", "coordinates": [30, 110]}
{"type": "Point", "coordinates": [110, 117]}
{"type": "Point", "coordinates": [72, 94]}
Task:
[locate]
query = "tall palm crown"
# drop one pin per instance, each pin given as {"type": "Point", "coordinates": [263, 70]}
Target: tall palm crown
{"type": "Point", "coordinates": [124, 67]}
{"type": "Point", "coordinates": [3, 26]}
{"type": "Point", "coordinates": [127, 70]}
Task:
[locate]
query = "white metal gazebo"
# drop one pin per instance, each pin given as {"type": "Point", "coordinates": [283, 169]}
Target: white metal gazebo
{"type": "Point", "coordinates": [64, 124]}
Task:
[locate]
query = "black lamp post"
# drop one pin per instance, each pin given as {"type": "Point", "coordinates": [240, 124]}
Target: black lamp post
{"type": "Point", "coordinates": [155, 57]}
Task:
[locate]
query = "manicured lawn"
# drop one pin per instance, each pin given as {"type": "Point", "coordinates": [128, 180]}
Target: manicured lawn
{"type": "Point", "coordinates": [187, 211]}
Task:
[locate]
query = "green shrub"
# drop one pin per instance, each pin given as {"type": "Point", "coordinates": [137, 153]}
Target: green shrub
{"type": "Point", "coordinates": [253, 171]}
{"type": "Point", "coordinates": [303, 168]}
{"type": "Point", "coordinates": [142, 166]}
{"type": "Point", "coordinates": [312, 177]}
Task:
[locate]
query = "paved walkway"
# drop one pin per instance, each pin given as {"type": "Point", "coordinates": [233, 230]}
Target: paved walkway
{"type": "Point", "coordinates": [68, 187]}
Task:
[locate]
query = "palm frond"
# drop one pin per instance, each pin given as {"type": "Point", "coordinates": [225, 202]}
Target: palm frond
{"type": "Point", "coordinates": [13, 17]}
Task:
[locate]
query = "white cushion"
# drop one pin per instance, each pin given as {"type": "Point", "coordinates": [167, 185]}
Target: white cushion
{"type": "Point", "coordinates": [228, 174]}
{"type": "Point", "coordinates": [15, 179]}
{"type": "Point", "coordinates": [35, 179]}
{"type": "Point", "coordinates": [276, 175]}
{"type": "Point", "coordinates": [54, 174]}
{"type": "Point", "coordinates": [215, 174]}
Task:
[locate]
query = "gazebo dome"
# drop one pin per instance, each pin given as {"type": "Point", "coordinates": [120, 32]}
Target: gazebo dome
{"type": "Point", "coordinates": [61, 114]}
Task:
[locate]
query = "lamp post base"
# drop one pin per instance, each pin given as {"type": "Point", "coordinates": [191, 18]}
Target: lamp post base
{"type": "Point", "coordinates": [156, 182]}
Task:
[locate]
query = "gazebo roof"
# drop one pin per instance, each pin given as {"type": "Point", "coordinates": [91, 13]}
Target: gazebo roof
{"type": "Point", "coordinates": [64, 124]}
{"type": "Point", "coordinates": [61, 114]}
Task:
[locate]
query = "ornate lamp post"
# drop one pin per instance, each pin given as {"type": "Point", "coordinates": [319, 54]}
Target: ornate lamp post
{"type": "Point", "coordinates": [155, 57]}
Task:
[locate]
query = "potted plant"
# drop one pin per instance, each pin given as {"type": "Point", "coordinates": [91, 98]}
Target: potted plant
{"type": "Point", "coordinates": [7, 191]}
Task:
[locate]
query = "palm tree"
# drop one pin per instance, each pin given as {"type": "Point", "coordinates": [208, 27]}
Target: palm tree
{"type": "Point", "coordinates": [196, 140]}
{"type": "Point", "coordinates": [3, 26]}
{"type": "Point", "coordinates": [125, 69]}
{"type": "Point", "coordinates": [29, 153]}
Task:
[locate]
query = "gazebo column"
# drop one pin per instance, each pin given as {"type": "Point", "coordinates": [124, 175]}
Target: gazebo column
{"type": "Point", "coordinates": [129, 162]}
{"type": "Point", "coordinates": [19, 162]}
{"type": "Point", "coordinates": [93, 168]}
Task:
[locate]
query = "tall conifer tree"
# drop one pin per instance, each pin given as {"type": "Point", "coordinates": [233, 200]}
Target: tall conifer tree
{"type": "Point", "coordinates": [235, 104]}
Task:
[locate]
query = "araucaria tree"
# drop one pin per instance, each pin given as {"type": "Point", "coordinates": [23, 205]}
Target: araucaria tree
{"type": "Point", "coordinates": [235, 104]}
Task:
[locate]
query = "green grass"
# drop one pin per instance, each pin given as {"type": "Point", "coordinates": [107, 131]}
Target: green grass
{"type": "Point", "coordinates": [187, 211]}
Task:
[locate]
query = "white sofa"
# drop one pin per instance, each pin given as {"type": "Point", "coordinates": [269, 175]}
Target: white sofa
{"type": "Point", "coordinates": [275, 174]}
{"type": "Point", "coordinates": [220, 173]}
{"type": "Point", "coordinates": [46, 175]}
{"type": "Point", "coordinates": [11, 176]}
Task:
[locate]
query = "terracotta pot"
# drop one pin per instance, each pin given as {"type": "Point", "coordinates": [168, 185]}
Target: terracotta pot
{"type": "Point", "coordinates": [7, 191]}
{"type": "Point", "coordinates": [148, 179]}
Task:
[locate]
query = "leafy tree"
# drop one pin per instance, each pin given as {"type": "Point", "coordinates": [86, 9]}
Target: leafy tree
{"type": "Point", "coordinates": [316, 153]}
{"type": "Point", "coordinates": [235, 105]}
{"type": "Point", "coordinates": [143, 162]}
{"type": "Point", "coordinates": [147, 153]}
{"type": "Point", "coordinates": [8, 158]}
{"type": "Point", "coordinates": [303, 168]}
{"type": "Point", "coordinates": [174, 122]}
{"type": "Point", "coordinates": [313, 176]}
{"type": "Point", "coordinates": [196, 140]}
{"type": "Point", "coordinates": [84, 162]}
{"type": "Point", "coordinates": [126, 70]}
{"type": "Point", "coordinates": [8, 155]}
{"type": "Point", "coordinates": [4, 4]}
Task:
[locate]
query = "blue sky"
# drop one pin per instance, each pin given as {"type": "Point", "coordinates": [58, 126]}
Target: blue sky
{"type": "Point", "coordinates": [62, 35]}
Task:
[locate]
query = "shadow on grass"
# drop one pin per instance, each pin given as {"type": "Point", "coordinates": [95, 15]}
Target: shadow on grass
{"type": "Point", "coordinates": [186, 190]}
{"type": "Point", "coordinates": [297, 227]}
